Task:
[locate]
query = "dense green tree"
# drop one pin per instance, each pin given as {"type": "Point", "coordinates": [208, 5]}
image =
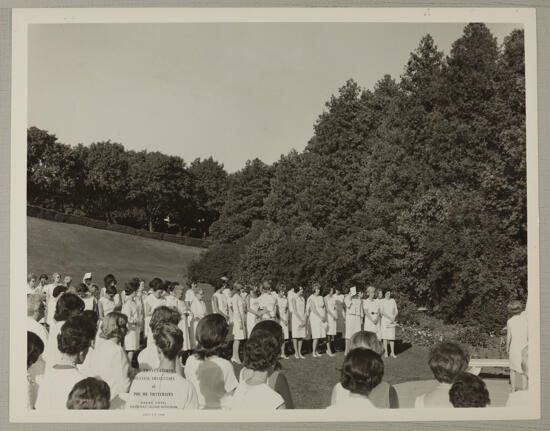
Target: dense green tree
{"type": "Point", "coordinates": [244, 202]}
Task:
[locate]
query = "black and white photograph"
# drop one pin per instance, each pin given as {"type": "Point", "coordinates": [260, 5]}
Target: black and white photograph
{"type": "Point", "coordinates": [276, 214]}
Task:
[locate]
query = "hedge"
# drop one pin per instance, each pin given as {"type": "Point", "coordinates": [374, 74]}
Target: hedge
{"type": "Point", "coordinates": [39, 212]}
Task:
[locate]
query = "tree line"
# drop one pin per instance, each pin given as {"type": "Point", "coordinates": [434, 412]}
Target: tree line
{"type": "Point", "coordinates": [145, 190]}
{"type": "Point", "coordinates": [418, 185]}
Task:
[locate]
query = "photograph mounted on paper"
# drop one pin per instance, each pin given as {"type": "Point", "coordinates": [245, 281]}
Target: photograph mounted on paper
{"type": "Point", "coordinates": [274, 215]}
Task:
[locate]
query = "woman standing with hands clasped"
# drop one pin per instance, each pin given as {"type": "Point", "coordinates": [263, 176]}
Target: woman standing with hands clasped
{"type": "Point", "coordinates": [371, 311]}
{"type": "Point", "coordinates": [317, 319]}
{"type": "Point", "coordinates": [298, 321]}
{"type": "Point", "coordinates": [388, 310]}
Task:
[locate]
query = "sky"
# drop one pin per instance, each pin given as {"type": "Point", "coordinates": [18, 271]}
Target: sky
{"type": "Point", "coordinates": [233, 91]}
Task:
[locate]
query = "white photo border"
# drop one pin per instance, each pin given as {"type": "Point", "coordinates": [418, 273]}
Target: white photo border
{"type": "Point", "coordinates": [22, 18]}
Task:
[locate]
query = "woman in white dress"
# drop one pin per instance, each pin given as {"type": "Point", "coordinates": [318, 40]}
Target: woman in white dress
{"type": "Point", "coordinates": [253, 314]}
{"type": "Point", "coordinates": [107, 304]}
{"type": "Point", "coordinates": [354, 314]}
{"type": "Point", "coordinates": [516, 341]}
{"type": "Point", "coordinates": [130, 310]}
{"type": "Point", "coordinates": [198, 311]}
{"type": "Point", "coordinates": [379, 297]}
{"type": "Point", "coordinates": [388, 311]}
{"type": "Point", "coordinates": [185, 311]}
{"type": "Point", "coordinates": [90, 303]}
{"type": "Point", "coordinates": [152, 301]}
{"type": "Point", "coordinates": [283, 316]}
{"type": "Point", "coordinates": [298, 311]}
{"type": "Point", "coordinates": [371, 311]}
{"type": "Point", "coordinates": [317, 318]}
{"type": "Point", "coordinates": [239, 321]}
{"type": "Point", "coordinates": [332, 318]}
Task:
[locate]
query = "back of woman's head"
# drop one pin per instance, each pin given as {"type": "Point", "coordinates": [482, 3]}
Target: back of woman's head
{"type": "Point", "coordinates": [75, 336]}
{"type": "Point", "coordinates": [92, 317]}
{"type": "Point", "coordinates": [211, 334]}
{"type": "Point", "coordinates": [262, 350]}
{"type": "Point", "coordinates": [164, 314]}
{"type": "Point", "coordinates": [469, 391]}
{"type": "Point", "coordinates": [362, 371]}
{"type": "Point", "coordinates": [366, 340]}
{"type": "Point", "coordinates": [68, 305]}
{"type": "Point", "coordinates": [447, 360]}
{"type": "Point", "coordinates": [35, 347]}
{"type": "Point", "coordinates": [156, 284]}
{"type": "Point", "coordinates": [82, 289]}
{"type": "Point", "coordinates": [515, 307]}
{"type": "Point", "coordinates": [130, 288]}
{"type": "Point", "coordinates": [58, 290]}
{"type": "Point", "coordinates": [115, 325]}
{"type": "Point", "coordinates": [270, 326]}
{"type": "Point", "coordinates": [89, 394]}
{"type": "Point", "coordinates": [110, 290]}
{"type": "Point", "coordinates": [168, 339]}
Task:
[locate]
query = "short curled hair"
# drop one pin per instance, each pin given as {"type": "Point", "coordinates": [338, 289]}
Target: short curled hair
{"type": "Point", "coordinates": [75, 336]}
{"type": "Point", "coordinates": [262, 350]}
{"type": "Point", "coordinates": [156, 284]}
{"type": "Point", "coordinates": [270, 326]}
{"type": "Point", "coordinates": [362, 371]}
{"type": "Point", "coordinates": [115, 325]}
{"type": "Point", "coordinates": [469, 391]}
{"type": "Point", "coordinates": [108, 279]}
{"type": "Point", "coordinates": [164, 314]}
{"type": "Point", "coordinates": [58, 290]}
{"type": "Point", "coordinates": [92, 317]}
{"type": "Point", "coordinates": [110, 290]}
{"type": "Point", "coordinates": [366, 340]}
{"type": "Point", "coordinates": [82, 289]}
{"type": "Point", "coordinates": [130, 288]}
{"type": "Point", "coordinates": [35, 347]}
{"type": "Point", "coordinates": [89, 394]}
{"type": "Point", "coordinates": [169, 339]}
{"type": "Point", "coordinates": [68, 305]}
{"type": "Point", "coordinates": [211, 333]}
{"type": "Point", "coordinates": [447, 360]}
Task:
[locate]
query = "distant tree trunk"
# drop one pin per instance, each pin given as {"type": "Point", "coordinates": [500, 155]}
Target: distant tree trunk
{"type": "Point", "coordinates": [151, 224]}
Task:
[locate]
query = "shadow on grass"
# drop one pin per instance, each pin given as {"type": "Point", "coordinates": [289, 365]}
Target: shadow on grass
{"type": "Point", "coordinates": [401, 346]}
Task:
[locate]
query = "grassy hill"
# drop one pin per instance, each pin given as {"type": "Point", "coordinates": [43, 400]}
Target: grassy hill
{"type": "Point", "coordinates": [74, 250]}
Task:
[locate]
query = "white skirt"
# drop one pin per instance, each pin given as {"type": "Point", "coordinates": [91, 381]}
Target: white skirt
{"type": "Point", "coordinates": [386, 332]}
{"type": "Point", "coordinates": [332, 327]}
{"type": "Point", "coordinates": [353, 325]}
{"type": "Point", "coordinates": [298, 331]}
{"type": "Point", "coordinates": [318, 327]}
{"type": "Point", "coordinates": [369, 326]}
{"type": "Point", "coordinates": [131, 340]}
{"type": "Point", "coordinates": [285, 329]}
{"type": "Point", "coordinates": [250, 323]}
{"type": "Point", "coordinates": [239, 331]}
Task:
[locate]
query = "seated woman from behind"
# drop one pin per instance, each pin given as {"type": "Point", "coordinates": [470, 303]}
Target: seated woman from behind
{"type": "Point", "coordinates": [362, 371]}
{"type": "Point", "coordinates": [469, 391]}
{"type": "Point", "coordinates": [447, 361]}
{"type": "Point", "coordinates": [163, 387]}
{"type": "Point", "coordinates": [384, 395]}
{"type": "Point", "coordinates": [261, 355]}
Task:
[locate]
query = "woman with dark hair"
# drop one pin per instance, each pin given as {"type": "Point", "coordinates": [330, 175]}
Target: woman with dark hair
{"type": "Point", "coordinates": [261, 354]}
{"type": "Point", "coordinates": [148, 358]}
{"type": "Point", "coordinates": [317, 319]}
{"type": "Point", "coordinates": [130, 310]}
{"type": "Point", "coordinates": [388, 311]}
{"type": "Point", "coordinates": [73, 341]}
{"type": "Point", "coordinates": [66, 306]}
{"type": "Point", "coordinates": [177, 392]}
{"type": "Point", "coordinates": [90, 303]}
{"type": "Point", "coordinates": [298, 321]}
{"type": "Point", "coordinates": [362, 371]}
{"type": "Point", "coordinates": [110, 281]}
{"type": "Point", "coordinates": [276, 379]}
{"type": "Point", "coordinates": [108, 360]}
{"type": "Point", "coordinates": [89, 394]}
{"type": "Point", "coordinates": [469, 391]}
{"type": "Point", "coordinates": [35, 347]}
{"type": "Point", "coordinates": [213, 377]}
{"type": "Point", "coordinates": [153, 300]}
{"type": "Point", "coordinates": [447, 361]}
{"type": "Point", "coordinates": [108, 303]}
